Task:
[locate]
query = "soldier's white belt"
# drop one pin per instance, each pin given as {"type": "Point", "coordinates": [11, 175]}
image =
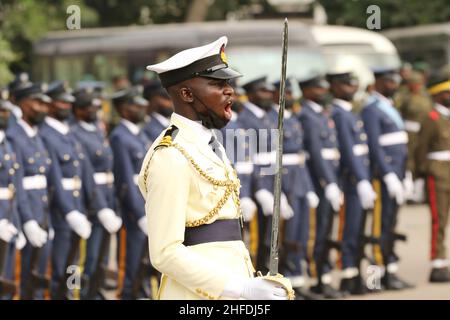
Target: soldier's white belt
{"type": "Point", "coordinates": [103, 178]}
{"type": "Point", "coordinates": [393, 138]}
{"type": "Point", "coordinates": [36, 182]}
{"type": "Point", "coordinates": [360, 149]}
{"type": "Point", "coordinates": [330, 154]}
{"type": "Point", "coordinates": [289, 159]}
{"type": "Point", "coordinates": [70, 184]}
{"type": "Point", "coordinates": [244, 167]}
{"type": "Point", "coordinates": [439, 155]}
{"type": "Point", "coordinates": [6, 194]}
{"type": "Point", "coordinates": [136, 179]}
{"type": "Point", "coordinates": [412, 126]}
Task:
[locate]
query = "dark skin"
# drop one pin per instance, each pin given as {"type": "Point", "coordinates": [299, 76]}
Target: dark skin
{"type": "Point", "coordinates": [157, 103]}
{"type": "Point", "coordinates": [56, 105]}
{"type": "Point", "coordinates": [385, 86]}
{"type": "Point", "coordinates": [4, 114]}
{"type": "Point", "coordinates": [128, 111]}
{"type": "Point", "coordinates": [442, 97]}
{"type": "Point", "coordinates": [84, 114]}
{"type": "Point", "coordinates": [343, 91]}
{"type": "Point", "coordinates": [198, 94]}
{"type": "Point", "coordinates": [259, 95]}
{"type": "Point", "coordinates": [314, 93]}
{"type": "Point", "coordinates": [276, 96]}
{"type": "Point", "coordinates": [30, 107]}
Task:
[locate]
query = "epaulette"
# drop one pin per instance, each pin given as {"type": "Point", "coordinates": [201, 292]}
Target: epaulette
{"type": "Point", "coordinates": [168, 137]}
{"type": "Point", "coordinates": [434, 115]}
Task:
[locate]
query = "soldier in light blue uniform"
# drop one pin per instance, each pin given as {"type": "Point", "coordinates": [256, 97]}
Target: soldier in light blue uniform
{"type": "Point", "coordinates": [130, 144]}
{"type": "Point", "coordinates": [74, 196]}
{"type": "Point", "coordinates": [355, 178]}
{"type": "Point", "coordinates": [99, 153]}
{"type": "Point", "coordinates": [158, 111]}
{"type": "Point", "coordinates": [297, 185]}
{"type": "Point", "coordinates": [12, 199]}
{"type": "Point", "coordinates": [322, 146]}
{"type": "Point", "coordinates": [35, 163]}
{"type": "Point", "coordinates": [388, 152]}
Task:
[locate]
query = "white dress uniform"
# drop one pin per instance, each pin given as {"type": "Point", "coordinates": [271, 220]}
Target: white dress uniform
{"type": "Point", "coordinates": [191, 194]}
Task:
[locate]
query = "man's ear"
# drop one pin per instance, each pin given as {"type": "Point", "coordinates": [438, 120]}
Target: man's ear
{"type": "Point", "coordinates": [186, 95]}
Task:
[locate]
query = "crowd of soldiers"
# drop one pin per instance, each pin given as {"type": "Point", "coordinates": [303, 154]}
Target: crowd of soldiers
{"type": "Point", "coordinates": [68, 185]}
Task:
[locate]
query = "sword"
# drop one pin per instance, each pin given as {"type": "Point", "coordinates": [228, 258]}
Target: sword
{"type": "Point", "coordinates": [273, 265]}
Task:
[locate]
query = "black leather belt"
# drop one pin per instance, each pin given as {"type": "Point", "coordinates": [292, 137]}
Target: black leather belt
{"type": "Point", "coordinates": [219, 230]}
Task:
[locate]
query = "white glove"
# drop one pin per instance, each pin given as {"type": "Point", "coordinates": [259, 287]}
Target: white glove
{"type": "Point", "coordinates": [142, 223]}
{"type": "Point", "coordinates": [79, 224]}
{"type": "Point", "coordinates": [265, 199]}
{"type": "Point", "coordinates": [366, 194]}
{"type": "Point", "coordinates": [35, 234]}
{"type": "Point", "coordinates": [419, 190]}
{"type": "Point", "coordinates": [286, 211]}
{"type": "Point", "coordinates": [7, 230]}
{"type": "Point", "coordinates": [248, 208]}
{"type": "Point", "coordinates": [109, 220]}
{"type": "Point", "coordinates": [334, 195]}
{"type": "Point", "coordinates": [21, 241]}
{"type": "Point", "coordinates": [313, 199]}
{"type": "Point", "coordinates": [254, 289]}
{"type": "Point", "coordinates": [408, 186]}
{"type": "Point", "coordinates": [394, 187]}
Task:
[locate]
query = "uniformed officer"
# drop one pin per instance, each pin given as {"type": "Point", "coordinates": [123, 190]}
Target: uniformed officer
{"type": "Point", "coordinates": [11, 197]}
{"type": "Point", "coordinates": [298, 187]}
{"type": "Point", "coordinates": [433, 160]}
{"type": "Point", "coordinates": [388, 151]}
{"type": "Point", "coordinates": [99, 153]}
{"type": "Point", "coordinates": [35, 163]}
{"type": "Point", "coordinates": [158, 111]}
{"type": "Point", "coordinates": [414, 107]}
{"type": "Point", "coordinates": [21, 79]}
{"type": "Point", "coordinates": [191, 190]}
{"type": "Point", "coordinates": [354, 176]}
{"type": "Point", "coordinates": [129, 144]}
{"type": "Point", "coordinates": [74, 196]}
{"type": "Point", "coordinates": [322, 146]}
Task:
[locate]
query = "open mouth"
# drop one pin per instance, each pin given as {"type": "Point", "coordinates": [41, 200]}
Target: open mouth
{"type": "Point", "coordinates": [227, 109]}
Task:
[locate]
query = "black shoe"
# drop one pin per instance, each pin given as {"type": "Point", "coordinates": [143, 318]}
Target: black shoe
{"type": "Point", "coordinates": [353, 286]}
{"type": "Point", "coordinates": [439, 275]}
{"type": "Point", "coordinates": [327, 291]}
{"type": "Point", "coordinates": [304, 294]}
{"type": "Point", "coordinates": [390, 281]}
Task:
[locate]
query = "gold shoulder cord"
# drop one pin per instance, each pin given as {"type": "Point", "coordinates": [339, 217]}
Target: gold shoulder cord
{"type": "Point", "coordinates": [231, 188]}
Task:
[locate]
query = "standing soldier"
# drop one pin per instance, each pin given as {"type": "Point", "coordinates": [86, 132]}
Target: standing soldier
{"type": "Point", "coordinates": [354, 175]}
{"type": "Point", "coordinates": [74, 195]}
{"type": "Point", "coordinates": [22, 79]}
{"type": "Point", "coordinates": [99, 154]}
{"type": "Point", "coordinates": [414, 108]}
{"type": "Point", "coordinates": [323, 164]}
{"type": "Point", "coordinates": [195, 237]}
{"type": "Point", "coordinates": [388, 151]}
{"type": "Point", "coordinates": [298, 187]}
{"type": "Point", "coordinates": [129, 144]}
{"type": "Point", "coordinates": [35, 163]}
{"type": "Point", "coordinates": [159, 109]}
{"type": "Point", "coordinates": [253, 118]}
{"type": "Point", "coordinates": [433, 159]}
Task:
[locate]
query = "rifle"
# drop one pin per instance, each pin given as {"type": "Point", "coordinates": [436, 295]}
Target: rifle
{"type": "Point", "coordinates": [144, 271]}
{"type": "Point", "coordinates": [96, 280]}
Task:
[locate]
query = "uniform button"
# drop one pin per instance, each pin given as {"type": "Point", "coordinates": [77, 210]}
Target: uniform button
{"type": "Point", "coordinates": [81, 156]}
{"type": "Point", "coordinates": [98, 153]}
{"type": "Point", "coordinates": [49, 161]}
{"type": "Point", "coordinates": [388, 159]}
{"type": "Point", "coordinates": [44, 198]}
{"type": "Point", "coordinates": [11, 171]}
{"type": "Point", "coordinates": [41, 169]}
{"type": "Point", "coordinates": [363, 137]}
{"type": "Point", "coordinates": [76, 163]}
{"type": "Point", "coordinates": [7, 157]}
{"type": "Point", "coordinates": [30, 160]}
{"type": "Point", "coordinates": [359, 123]}
{"type": "Point", "coordinates": [76, 193]}
{"type": "Point", "coordinates": [16, 165]}
{"type": "Point", "coordinates": [66, 157]}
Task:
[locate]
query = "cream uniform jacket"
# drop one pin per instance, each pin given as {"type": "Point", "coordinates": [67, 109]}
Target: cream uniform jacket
{"type": "Point", "coordinates": [176, 195]}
